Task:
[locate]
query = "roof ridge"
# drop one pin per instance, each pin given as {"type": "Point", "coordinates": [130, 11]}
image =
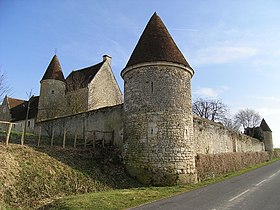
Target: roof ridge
{"type": "Point", "coordinates": [80, 78]}
{"type": "Point", "coordinates": [87, 67]}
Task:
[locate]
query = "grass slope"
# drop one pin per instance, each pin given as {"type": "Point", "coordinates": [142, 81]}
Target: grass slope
{"type": "Point", "coordinates": [31, 177]}
{"type": "Point", "coordinates": [127, 198]}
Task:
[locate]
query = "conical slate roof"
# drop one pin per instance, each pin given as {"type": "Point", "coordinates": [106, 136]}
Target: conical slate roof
{"type": "Point", "coordinates": [54, 70]}
{"type": "Point", "coordinates": [156, 44]}
{"type": "Point", "coordinates": [264, 126]}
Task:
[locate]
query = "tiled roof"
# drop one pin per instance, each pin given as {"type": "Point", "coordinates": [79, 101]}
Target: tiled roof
{"type": "Point", "coordinates": [156, 44]}
{"type": "Point", "coordinates": [54, 70]}
{"type": "Point", "coordinates": [80, 78]}
{"type": "Point", "coordinates": [264, 126]}
{"type": "Point", "coordinates": [18, 112]}
{"type": "Point", "coordinates": [13, 102]}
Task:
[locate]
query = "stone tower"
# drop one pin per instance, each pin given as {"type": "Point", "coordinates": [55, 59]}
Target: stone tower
{"type": "Point", "coordinates": [158, 122]}
{"type": "Point", "coordinates": [268, 143]}
{"type": "Point", "coordinates": [52, 92]}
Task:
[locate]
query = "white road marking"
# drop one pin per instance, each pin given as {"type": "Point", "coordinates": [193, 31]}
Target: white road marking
{"type": "Point", "coordinates": [273, 175]}
{"type": "Point", "coordinates": [261, 182]}
{"type": "Point", "coordinates": [239, 195]}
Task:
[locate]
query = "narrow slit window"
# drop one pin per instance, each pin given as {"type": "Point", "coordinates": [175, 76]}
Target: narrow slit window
{"type": "Point", "coordinates": [152, 87]}
{"type": "Point", "coordinates": [186, 134]}
{"type": "Point", "coordinates": [152, 131]}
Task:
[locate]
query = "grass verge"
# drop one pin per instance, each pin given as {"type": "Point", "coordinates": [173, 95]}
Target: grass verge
{"type": "Point", "coordinates": [127, 198]}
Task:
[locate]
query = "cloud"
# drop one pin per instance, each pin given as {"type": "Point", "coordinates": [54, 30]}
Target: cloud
{"type": "Point", "coordinates": [223, 54]}
{"type": "Point", "coordinates": [267, 98]}
{"type": "Point", "coordinates": [210, 92]}
{"type": "Point", "coordinates": [269, 111]}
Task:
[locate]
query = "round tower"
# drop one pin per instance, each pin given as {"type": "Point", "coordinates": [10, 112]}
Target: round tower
{"type": "Point", "coordinates": [158, 123]}
{"type": "Point", "coordinates": [267, 134]}
{"type": "Point", "coordinates": [52, 92]}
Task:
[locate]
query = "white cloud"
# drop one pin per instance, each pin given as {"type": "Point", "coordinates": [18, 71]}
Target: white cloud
{"type": "Point", "coordinates": [223, 54]}
{"type": "Point", "coordinates": [267, 98]}
{"type": "Point", "coordinates": [209, 92]}
{"type": "Point", "coordinates": [269, 111]}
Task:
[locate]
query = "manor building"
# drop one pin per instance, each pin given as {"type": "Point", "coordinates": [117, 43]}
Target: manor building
{"type": "Point", "coordinates": [154, 125]}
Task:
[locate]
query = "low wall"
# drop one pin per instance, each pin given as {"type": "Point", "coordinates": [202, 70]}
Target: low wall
{"type": "Point", "coordinates": [212, 165]}
{"type": "Point", "coordinates": [105, 123]}
{"type": "Point", "coordinates": [274, 154]}
{"type": "Point", "coordinates": [214, 138]}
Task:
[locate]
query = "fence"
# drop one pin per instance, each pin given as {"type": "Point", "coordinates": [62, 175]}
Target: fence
{"type": "Point", "coordinates": [8, 126]}
{"type": "Point", "coordinates": [66, 138]}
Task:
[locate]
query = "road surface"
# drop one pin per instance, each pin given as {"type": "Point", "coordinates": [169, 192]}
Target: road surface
{"type": "Point", "coordinates": [257, 189]}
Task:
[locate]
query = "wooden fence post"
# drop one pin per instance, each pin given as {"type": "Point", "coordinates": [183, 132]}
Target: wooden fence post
{"type": "Point", "coordinates": [39, 137]}
{"type": "Point", "coordinates": [113, 137]}
{"type": "Point", "coordinates": [64, 138]}
{"type": "Point", "coordinates": [52, 137]}
{"type": "Point", "coordinates": [75, 139]}
{"type": "Point", "coordinates": [8, 133]}
{"type": "Point", "coordinates": [22, 136]}
{"type": "Point", "coordinates": [85, 142]}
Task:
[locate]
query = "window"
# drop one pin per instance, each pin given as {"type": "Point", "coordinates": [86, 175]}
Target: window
{"type": "Point", "coordinates": [28, 123]}
{"type": "Point", "coordinates": [186, 134]}
{"type": "Point", "coordinates": [152, 87]}
{"type": "Point", "coordinates": [52, 91]}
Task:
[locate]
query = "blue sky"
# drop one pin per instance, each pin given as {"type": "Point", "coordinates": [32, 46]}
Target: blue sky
{"type": "Point", "coordinates": [233, 46]}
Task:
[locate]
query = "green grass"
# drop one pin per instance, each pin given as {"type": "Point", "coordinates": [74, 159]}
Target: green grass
{"type": "Point", "coordinates": [37, 176]}
{"type": "Point", "coordinates": [127, 198]}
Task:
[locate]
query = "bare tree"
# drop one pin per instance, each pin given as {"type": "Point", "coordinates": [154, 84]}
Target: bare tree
{"type": "Point", "coordinates": [77, 93]}
{"type": "Point", "coordinates": [247, 118]}
{"type": "Point", "coordinates": [4, 87]}
{"type": "Point", "coordinates": [231, 124]}
{"type": "Point", "coordinates": [211, 109]}
{"type": "Point", "coordinates": [30, 95]}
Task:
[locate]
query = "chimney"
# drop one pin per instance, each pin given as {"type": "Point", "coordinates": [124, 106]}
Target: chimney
{"type": "Point", "coordinates": [107, 58]}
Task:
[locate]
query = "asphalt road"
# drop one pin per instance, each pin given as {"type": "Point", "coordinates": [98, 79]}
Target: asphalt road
{"type": "Point", "coordinates": [257, 189]}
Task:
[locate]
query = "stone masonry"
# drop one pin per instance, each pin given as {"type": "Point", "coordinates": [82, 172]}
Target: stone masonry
{"type": "Point", "coordinates": [158, 143]}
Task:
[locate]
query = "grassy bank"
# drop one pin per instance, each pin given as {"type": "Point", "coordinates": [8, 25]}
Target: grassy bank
{"type": "Point", "coordinates": [127, 198]}
{"type": "Point", "coordinates": [31, 177]}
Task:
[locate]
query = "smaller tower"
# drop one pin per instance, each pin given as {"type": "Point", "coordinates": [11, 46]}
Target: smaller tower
{"type": "Point", "coordinates": [52, 92]}
{"type": "Point", "coordinates": [267, 133]}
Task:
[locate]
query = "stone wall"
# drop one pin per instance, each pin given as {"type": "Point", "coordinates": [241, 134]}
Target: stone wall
{"type": "Point", "coordinates": [213, 138]}
{"type": "Point", "coordinates": [77, 101]}
{"type": "Point", "coordinates": [52, 99]}
{"type": "Point", "coordinates": [18, 126]}
{"type": "Point", "coordinates": [108, 119]}
{"type": "Point", "coordinates": [5, 111]}
{"type": "Point", "coordinates": [158, 131]}
{"type": "Point", "coordinates": [103, 89]}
